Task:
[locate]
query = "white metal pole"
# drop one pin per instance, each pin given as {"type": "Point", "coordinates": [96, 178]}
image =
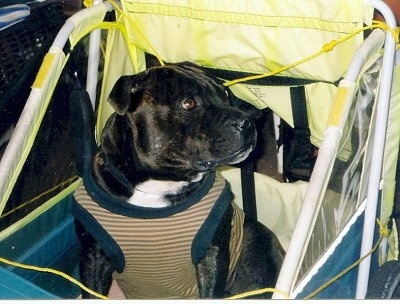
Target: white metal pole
{"type": "Point", "coordinates": [93, 62]}
{"type": "Point", "coordinates": [377, 153]}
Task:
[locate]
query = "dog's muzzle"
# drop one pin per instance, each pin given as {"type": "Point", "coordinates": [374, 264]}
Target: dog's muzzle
{"type": "Point", "coordinates": [236, 140]}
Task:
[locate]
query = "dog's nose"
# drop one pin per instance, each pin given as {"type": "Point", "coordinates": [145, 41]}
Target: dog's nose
{"type": "Point", "coordinates": [242, 125]}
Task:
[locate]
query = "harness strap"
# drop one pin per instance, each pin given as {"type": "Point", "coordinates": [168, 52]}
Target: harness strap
{"type": "Point", "coordinates": [297, 149]}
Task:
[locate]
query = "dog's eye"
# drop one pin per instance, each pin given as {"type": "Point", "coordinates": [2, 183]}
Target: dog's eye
{"type": "Point", "coordinates": [188, 104]}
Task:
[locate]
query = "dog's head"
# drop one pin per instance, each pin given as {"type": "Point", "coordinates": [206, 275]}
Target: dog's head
{"type": "Point", "coordinates": [181, 122]}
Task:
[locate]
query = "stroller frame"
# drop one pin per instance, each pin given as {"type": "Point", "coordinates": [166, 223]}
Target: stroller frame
{"type": "Point", "coordinates": [289, 271]}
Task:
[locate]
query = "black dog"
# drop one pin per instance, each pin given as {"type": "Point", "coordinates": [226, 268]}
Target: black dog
{"type": "Point", "coordinates": [162, 217]}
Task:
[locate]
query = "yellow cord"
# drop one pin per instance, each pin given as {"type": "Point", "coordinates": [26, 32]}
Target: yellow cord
{"type": "Point", "coordinates": [53, 271]}
{"type": "Point", "coordinates": [383, 233]}
{"type": "Point", "coordinates": [325, 49]}
{"type": "Point", "coordinates": [257, 292]}
{"type": "Point", "coordinates": [34, 199]}
{"type": "Point", "coordinates": [395, 32]}
{"type": "Point", "coordinates": [342, 273]}
{"type": "Point", "coordinates": [138, 31]}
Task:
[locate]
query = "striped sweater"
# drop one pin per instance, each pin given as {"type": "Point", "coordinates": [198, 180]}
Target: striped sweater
{"type": "Point", "coordinates": [156, 255]}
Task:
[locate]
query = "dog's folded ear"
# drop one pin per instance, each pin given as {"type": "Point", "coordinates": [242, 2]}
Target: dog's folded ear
{"type": "Point", "coordinates": [126, 93]}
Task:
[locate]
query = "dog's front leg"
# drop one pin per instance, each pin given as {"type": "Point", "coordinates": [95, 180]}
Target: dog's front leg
{"type": "Point", "coordinates": [96, 272]}
{"type": "Point", "coordinates": [95, 268]}
{"type": "Point", "coordinates": [212, 270]}
{"type": "Point", "coordinates": [211, 274]}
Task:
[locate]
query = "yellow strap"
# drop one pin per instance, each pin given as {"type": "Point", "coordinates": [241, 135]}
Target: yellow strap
{"type": "Point", "coordinates": [43, 72]}
{"type": "Point", "coordinates": [342, 97]}
{"type": "Point", "coordinates": [88, 3]}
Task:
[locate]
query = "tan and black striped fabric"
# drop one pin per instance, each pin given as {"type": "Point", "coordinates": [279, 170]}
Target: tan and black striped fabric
{"type": "Point", "coordinates": [157, 252]}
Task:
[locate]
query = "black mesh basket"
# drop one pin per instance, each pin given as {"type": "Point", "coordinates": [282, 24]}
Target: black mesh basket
{"type": "Point", "coordinates": [22, 47]}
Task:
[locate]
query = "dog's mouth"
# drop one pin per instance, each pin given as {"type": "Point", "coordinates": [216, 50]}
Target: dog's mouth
{"type": "Point", "coordinates": [235, 158]}
{"type": "Point", "coordinates": [240, 156]}
{"type": "Point", "coordinates": [204, 166]}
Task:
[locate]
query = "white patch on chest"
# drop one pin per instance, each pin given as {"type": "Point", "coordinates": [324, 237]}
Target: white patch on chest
{"type": "Point", "coordinates": [152, 193]}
